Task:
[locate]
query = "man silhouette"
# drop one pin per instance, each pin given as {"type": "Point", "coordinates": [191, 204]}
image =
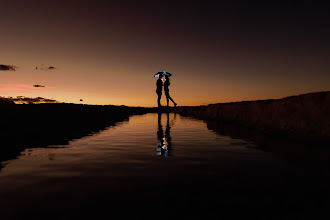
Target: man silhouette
{"type": "Point", "coordinates": [159, 89]}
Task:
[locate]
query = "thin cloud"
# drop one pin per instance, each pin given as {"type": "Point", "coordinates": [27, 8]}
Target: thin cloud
{"type": "Point", "coordinates": [26, 100]}
{"type": "Point", "coordinates": [45, 68]}
{"type": "Point", "coordinates": [7, 67]}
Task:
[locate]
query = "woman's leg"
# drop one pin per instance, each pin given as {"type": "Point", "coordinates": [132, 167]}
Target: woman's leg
{"type": "Point", "coordinates": [169, 97]}
{"type": "Point", "coordinates": [172, 100]}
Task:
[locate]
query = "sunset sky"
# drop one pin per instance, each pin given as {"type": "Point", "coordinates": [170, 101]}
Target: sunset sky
{"type": "Point", "coordinates": [107, 52]}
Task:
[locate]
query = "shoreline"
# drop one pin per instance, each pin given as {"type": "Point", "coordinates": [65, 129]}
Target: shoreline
{"type": "Point", "coordinates": [303, 117]}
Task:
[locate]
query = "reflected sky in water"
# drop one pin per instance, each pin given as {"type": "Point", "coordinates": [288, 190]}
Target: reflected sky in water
{"type": "Point", "coordinates": [137, 141]}
{"type": "Point", "coordinates": [133, 146]}
{"type": "Point", "coordinates": [137, 160]}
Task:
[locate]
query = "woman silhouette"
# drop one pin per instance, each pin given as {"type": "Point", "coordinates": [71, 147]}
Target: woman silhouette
{"type": "Point", "coordinates": [167, 91]}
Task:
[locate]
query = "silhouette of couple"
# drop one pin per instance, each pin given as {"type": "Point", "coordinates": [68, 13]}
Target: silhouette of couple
{"type": "Point", "coordinates": [163, 80]}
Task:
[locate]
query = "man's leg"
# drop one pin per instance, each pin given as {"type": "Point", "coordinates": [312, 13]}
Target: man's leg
{"type": "Point", "coordinates": [158, 100]}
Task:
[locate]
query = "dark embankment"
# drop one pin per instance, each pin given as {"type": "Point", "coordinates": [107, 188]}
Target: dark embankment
{"type": "Point", "coordinates": [304, 117]}
{"type": "Point", "coordinates": [43, 125]}
{"type": "Point", "coordinates": [307, 159]}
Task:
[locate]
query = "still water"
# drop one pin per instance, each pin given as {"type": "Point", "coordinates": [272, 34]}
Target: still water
{"type": "Point", "coordinates": [162, 164]}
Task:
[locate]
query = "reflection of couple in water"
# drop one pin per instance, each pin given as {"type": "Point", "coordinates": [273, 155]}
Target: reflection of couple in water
{"type": "Point", "coordinates": [164, 144]}
{"type": "Point", "coordinates": [164, 80]}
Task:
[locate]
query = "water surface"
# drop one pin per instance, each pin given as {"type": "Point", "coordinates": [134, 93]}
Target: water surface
{"type": "Point", "coordinates": [156, 163]}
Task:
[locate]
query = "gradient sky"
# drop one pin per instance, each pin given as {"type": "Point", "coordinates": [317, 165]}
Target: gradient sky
{"type": "Point", "coordinates": [107, 52]}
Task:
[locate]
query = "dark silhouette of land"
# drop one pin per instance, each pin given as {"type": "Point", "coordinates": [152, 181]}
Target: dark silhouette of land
{"type": "Point", "coordinates": [302, 118]}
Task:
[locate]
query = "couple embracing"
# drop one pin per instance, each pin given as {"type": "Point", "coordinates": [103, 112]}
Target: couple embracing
{"type": "Point", "coordinates": [164, 81]}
